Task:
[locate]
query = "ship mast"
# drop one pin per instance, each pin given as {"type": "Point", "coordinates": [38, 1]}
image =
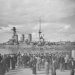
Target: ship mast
{"type": "Point", "coordinates": [40, 30]}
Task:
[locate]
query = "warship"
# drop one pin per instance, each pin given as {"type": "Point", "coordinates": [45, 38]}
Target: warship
{"type": "Point", "coordinates": [26, 45]}
{"type": "Point", "coordinates": [14, 45]}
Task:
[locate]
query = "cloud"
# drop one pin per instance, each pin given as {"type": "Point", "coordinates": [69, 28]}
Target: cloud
{"type": "Point", "coordinates": [64, 28]}
{"type": "Point", "coordinates": [17, 11]}
{"type": "Point", "coordinates": [42, 25]}
{"type": "Point", "coordinates": [24, 15]}
{"type": "Point", "coordinates": [9, 27]}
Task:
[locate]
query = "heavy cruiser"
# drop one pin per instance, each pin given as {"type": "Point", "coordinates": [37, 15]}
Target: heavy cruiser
{"type": "Point", "coordinates": [13, 45]}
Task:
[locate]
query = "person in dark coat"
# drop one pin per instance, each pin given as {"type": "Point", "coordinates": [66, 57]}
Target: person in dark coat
{"type": "Point", "coordinates": [7, 62]}
{"type": "Point", "coordinates": [72, 72]}
{"type": "Point", "coordinates": [53, 69]}
{"type": "Point", "coordinates": [61, 61]}
{"type": "Point", "coordinates": [15, 59]}
{"type": "Point", "coordinates": [34, 66]}
{"type": "Point", "coordinates": [13, 62]}
{"type": "Point", "coordinates": [2, 68]}
{"type": "Point", "coordinates": [0, 57]}
{"type": "Point", "coordinates": [72, 63]}
{"type": "Point", "coordinates": [25, 60]}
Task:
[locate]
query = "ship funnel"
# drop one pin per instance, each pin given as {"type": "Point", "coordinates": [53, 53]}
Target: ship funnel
{"type": "Point", "coordinates": [30, 37]}
{"type": "Point", "coordinates": [22, 38]}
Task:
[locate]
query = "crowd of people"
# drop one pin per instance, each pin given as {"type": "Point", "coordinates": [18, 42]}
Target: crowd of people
{"type": "Point", "coordinates": [49, 62]}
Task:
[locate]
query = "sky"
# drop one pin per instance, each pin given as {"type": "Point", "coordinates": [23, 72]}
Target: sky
{"type": "Point", "coordinates": [57, 19]}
